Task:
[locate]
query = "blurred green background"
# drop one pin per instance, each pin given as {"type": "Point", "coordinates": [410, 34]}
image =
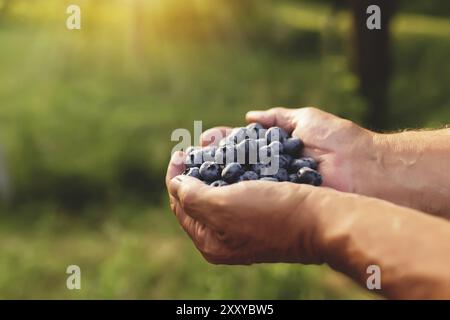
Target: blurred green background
{"type": "Point", "coordinates": [86, 118]}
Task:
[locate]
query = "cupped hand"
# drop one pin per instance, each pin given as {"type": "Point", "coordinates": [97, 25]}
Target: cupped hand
{"type": "Point", "coordinates": [244, 223]}
{"type": "Point", "coordinates": [343, 149]}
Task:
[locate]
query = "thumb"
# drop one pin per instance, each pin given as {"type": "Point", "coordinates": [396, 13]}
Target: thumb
{"type": "Point", "coordinates": [281, 117]}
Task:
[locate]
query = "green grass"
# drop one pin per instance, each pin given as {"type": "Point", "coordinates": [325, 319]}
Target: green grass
{"type": "Point", "coordinates": [86, 118]}
{"type": "Point", "coordinates": [138, 252]}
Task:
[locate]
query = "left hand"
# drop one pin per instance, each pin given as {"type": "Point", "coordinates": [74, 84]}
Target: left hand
{"type": "Point", "coordinates": [244, 223]}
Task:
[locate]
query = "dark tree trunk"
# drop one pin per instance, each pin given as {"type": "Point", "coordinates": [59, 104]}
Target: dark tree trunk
{"type": "Point", "coordinates": [371, 59]}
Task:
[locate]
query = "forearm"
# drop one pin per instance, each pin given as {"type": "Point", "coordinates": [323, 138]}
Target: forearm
{"type": "Point", "coordinates": [413, 169]}
{"type": "Point", "coordinates": [411, 249]}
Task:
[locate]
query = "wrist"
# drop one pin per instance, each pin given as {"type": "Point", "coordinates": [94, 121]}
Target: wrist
{"type": "Point", "coordinates": [312, 210]}
{"type": "Point", "coordinates": [397, 172]}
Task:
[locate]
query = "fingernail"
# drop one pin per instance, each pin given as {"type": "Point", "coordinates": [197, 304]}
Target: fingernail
{"type": "Point", "coordinates": [177, 158]}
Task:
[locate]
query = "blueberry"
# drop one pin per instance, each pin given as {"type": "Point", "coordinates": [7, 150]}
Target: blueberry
{"type": "Point", "coordinates": [276, 148]}
{"type": "Point", "coordinates": [193, 172]}
{"type": "Point", "coordinates": [249, 175]}
{"type": "Point", "coordinates": [232, 172]}
{"type": "Point", "coordinates": [279, 162]}
{"type": "Point", "coordinates": [276, 134]}
{"type": "Point", "coordinates": [293, 146]}
{"type": "Point", "coordinates": [247, 152]}
{"type": "Point", "coordinates": [297, 164]}
{"type": "Point", "coordinates": [269, 179]}
{"type": "Point", "coordinates": [309, 176]}
{"type": "Point", "coordinates": [285, 161]}
{"type": "Point", "coordinates": [252, 153]}
{"type": "Point", "coordinates": [218, 183]}
{"type": "Point", "coordinates": [293, 177]}
{"type": "Point", "coordinates": [257, 168]}
{"type": "Point", "coordinates": [226, 154]}
{"type": "Point", "coordinates": [210, 171]}
{"type": "Point", "coordinates": [282, 175]}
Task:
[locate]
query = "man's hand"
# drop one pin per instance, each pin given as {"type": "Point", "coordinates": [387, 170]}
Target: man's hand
{"type": "Point", "coordinates": [342, 148]}
{"type": "Point", "coordinates": [244, 223]}
{"type": "Point", "coordinates": [408, 168]}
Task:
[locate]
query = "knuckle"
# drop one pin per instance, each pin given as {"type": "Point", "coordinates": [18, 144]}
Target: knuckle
{"type": "Point", "coordinates": [309, 110]}
{"type": "Point", "coordinates": [276, 110]}
{"type": "Point", "coordinates": [211, 259]}
{"type": "Point", "coordinates": [189, 199]}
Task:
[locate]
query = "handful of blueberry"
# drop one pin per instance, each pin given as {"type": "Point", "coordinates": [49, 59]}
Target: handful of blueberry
{"type": "Point", "coordinates": [253, 153]}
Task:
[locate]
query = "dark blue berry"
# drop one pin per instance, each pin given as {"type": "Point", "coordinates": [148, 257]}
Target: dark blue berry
{"type": "Point", "coordinates": [249, 175]}
{"type": "Point", "coordinates": [297, 164]}
{"type": "Point", "coordinates": [232, 172]}
{"type": "Point", "coordinates": [210, 171]}
{"type": "Point", "coordinates": [309, 176]}
{"type": "Point", "coordinates": [193, 172]}
{"type": "Point", "coordinates": [279, 162]}
{"type": "Point", "coordinates": [282, 175]}
{"type": "Point", "coordinates": [218, 183]}
{"type": "Point", "coordinates": [285, 161]}
{"type": "Point", "coordinates": [293, 177]}
{"type": "Point", "coordinates": [293, 146]}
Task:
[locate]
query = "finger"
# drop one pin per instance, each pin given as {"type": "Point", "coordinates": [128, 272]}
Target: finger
{"type": "Point", "coordinates": [201, 235]}
{"type": "Point", "coordinates": [281, 117]}
{"type": "Point", "coordinates": [176, 166]}
{"type": "Point", "coordinates": [185, 221]}
{"type": "Point", "coordinates": [195, 197]}
{"type": "Point", "coordinates": [214, 135]}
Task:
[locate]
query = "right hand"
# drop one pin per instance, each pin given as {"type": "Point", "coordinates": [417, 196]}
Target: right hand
{"type": "Point", "coordinates": [342, 148]}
